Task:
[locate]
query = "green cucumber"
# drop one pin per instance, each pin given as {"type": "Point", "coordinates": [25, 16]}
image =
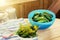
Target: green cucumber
{"type": "Point", "coordinates": [47, 16]}
{"type": "Point", "coordinates": [36, 16]}
{"type": "Point", "coordinates": [43, 21]}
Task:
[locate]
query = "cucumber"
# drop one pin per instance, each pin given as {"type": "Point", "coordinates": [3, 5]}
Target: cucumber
{"type": "Point", "coordinates": [42, 17]}
{"type": "Point", "coordinates": [36, 16]}
{"type": "Point", "coordinates": [39, 18]}
{"type": "Point", "coordinates": [35, 20]}
{"type": "Point", "coordinates": [43, 21]}
{"type": "Point", "coordinates": [48, 16]}
{"type": "Point", "coordinates": [37, 13]}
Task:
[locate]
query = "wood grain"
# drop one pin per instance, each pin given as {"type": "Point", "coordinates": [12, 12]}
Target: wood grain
{"type": "Point", "coordinates": [55, 7]}
{"type": "Point", "coordinates": [47, 3]}
{"type": "Point", "coordinates": [30, 6]}
{"type": "Point", "coordinates": [39, 4]}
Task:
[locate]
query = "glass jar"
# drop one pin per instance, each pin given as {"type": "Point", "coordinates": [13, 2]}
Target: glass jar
{"type": "Point", "coordinates": [3, 16]}
{"type": "Point", "coordinates": [11, 13]}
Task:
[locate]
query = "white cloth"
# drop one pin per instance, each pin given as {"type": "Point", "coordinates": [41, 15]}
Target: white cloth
{"type": "Point", "coordinates": [7, 27]}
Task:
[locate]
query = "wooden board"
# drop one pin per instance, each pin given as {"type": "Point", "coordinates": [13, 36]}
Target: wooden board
{"type": "Point", "coordinates": [30, 6]}
{"type": "Point", "coordinates": [47, 3]}
{"type": "Point", "coordinates": [55, 7]}
{"type": "Point", "coordinates": [34, 5]}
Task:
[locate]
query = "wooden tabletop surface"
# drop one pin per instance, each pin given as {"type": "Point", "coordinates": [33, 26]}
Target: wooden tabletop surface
{"type": "Point", "coordinates": [52, 33]}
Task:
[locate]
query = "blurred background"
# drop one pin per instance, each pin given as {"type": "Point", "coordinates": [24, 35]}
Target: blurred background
{"type": "Point", "coordinates": [23, 7]}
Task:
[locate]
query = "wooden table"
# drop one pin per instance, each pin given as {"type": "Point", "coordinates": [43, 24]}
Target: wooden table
{"type": "Point", "coordinates": [52, 33]}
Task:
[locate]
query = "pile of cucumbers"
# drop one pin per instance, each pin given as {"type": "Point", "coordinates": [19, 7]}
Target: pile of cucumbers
{"type": "Point", "coordinates": [42, 17]}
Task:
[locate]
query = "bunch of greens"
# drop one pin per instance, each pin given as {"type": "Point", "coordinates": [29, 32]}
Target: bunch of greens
{"type": "Point", "coordinates": [27, 31]}
{"type": "Point", "coordinates": [42, 17]}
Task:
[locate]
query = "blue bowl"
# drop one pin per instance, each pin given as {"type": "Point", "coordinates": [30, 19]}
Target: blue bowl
{"type": "Point", "coordinates": [41, 25]}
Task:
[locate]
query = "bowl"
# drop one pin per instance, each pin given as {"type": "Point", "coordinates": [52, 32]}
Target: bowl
{"type": "Point", "coordinates": [41, 26]}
